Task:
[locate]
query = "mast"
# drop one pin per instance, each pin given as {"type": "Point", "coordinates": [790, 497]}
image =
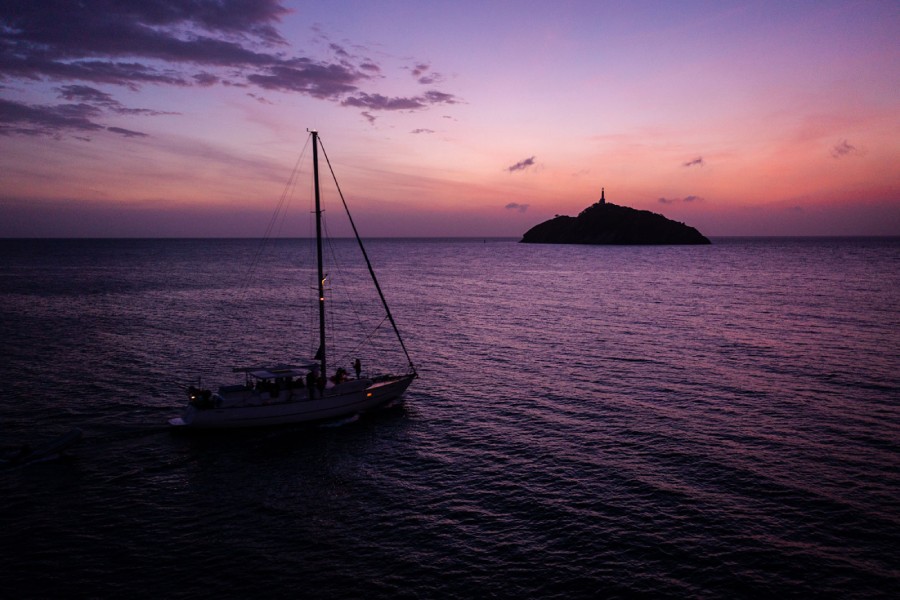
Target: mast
{"type": "Point", "coordinates": [321, 353]}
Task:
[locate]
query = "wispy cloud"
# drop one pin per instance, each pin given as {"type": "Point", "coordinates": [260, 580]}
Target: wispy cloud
{"type": "Point", "coordinates": [24, 119]}
{"type": "Point", "coordinates": [126, 132]}
{"type": "Point", "coordinates": [204, 79]}
{"type": "Point", "coordinates": [259, 99]}
{"type": "Point", "coordinates": [695, 162]}
{"type": "Point", "coordinates": [423, 130]}
{"type": "Point", "coordinates": [132, 43]}
{"type": "Point", "coordinates": [516, 206]}
{"type": "Point", "coordinates": [423, 74]}
{"type": "Point", "coordinates": [381, 102]}
{"type": "Point", "coordinates": [324, 81]}
{"type": "Point", "coordinates": [521, 165]}
{"type": "Point", "coordinates": [843, 149]}
{"type": "Point", "coordinates": [86, 106]}
{"type": "Point", "coordinates": [100, 99]}
{"type": "Point", "coordinates": [687, 199]}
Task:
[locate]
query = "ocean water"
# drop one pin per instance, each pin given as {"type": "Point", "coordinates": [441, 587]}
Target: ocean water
{"type": "Point", "coordinates": [589, 422]}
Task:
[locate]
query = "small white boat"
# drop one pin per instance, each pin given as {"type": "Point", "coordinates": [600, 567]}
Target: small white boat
{"type": "Point", "coordinates": [299, 392]}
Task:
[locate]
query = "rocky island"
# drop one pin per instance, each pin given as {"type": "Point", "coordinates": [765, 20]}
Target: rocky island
{"type": "Point", "coordinates": [604, 223]}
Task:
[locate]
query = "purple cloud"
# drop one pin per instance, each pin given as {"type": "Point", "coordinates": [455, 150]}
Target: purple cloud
{"type": "Point", "coordinates": [381, 102]}
{"type": "Point", "coordinates": [126, 132]}
{"type": "Point", "coordinates": [423, 130]}
{"type": "Point", "coordinates": [422, 74]}
{"type": "Point", "coordinates": [206, 79]}
{"type": "Point", "coordinates": [843, 149]}
{"type": "Point", "coordinates": [132, 43]}
{"type": "Point", "coordinates": [685, 199]}
{"type": "Point", "coordinates": [326, 81]}
{"type": "Point", "coordinates": [521, 165]}
{"type": "Point", "coordinates": [697, 161]}
{"type": "Point", "coordinates": [26, 119]}
{"type": "Point", "coordinates": [516, 206]}
{"type": "Point", "coordinates": [102, 100]}
{"type": "Point", "coordinates": [435, 97]}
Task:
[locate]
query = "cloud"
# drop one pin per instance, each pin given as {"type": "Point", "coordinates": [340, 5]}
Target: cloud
{"type": "Point", "coordinates": [687, 199]}
{"type": "Point", "coordinates": [843, 149]}
{"type": "Point", "coordinates": [339, 50]}
{"type": "Point", "coordinates": [423, 74]}
{"type": "Point", "coordinates": [85, 106]}
{"type": "Point", "coordinates": [697, 161]}
{"type": "Point", "coordinates": [260, 99]}
{"type": "Point", "coordinates": [86, 40]}
{"type": "Point", "coordinates": [324, 81]}
{"type": "Point", "coordinates": [126, 132]}
{"type": "Point", "coordinates": [132, 43]}
{"type": "Point", "coordinates": [516, 206]}
{"type": "Point", "coordinates": [25, 119]}
{"type": "Point", "coordinates": [381, 102]}
{"type": "Point", "coordinates": [521, 165]}
{"type": "Point", "coordinates": [51, 120]}
{"type": "Point", "coordinates": [206, 79]}
{"type": "Point", "coordinates": [423, 130]}
{"type": "Point", "coordinates": [103, 100]}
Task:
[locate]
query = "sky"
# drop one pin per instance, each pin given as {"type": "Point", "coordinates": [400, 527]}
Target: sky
{"type": "Point", "coordinates": [164, 118]}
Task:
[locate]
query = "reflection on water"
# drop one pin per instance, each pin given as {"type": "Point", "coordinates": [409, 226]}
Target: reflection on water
{"type": "Point", "coordinates": [589, 422]}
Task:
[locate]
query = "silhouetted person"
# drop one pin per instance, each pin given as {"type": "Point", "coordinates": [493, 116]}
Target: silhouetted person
{"type": "Point", "coordinates": [357, 366]}
{"type": "Point", "coordinates": [311, 383]}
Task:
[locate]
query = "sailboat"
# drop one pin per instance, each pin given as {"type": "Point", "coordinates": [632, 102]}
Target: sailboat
{"type": "Point", "coordinates": [300, 391]}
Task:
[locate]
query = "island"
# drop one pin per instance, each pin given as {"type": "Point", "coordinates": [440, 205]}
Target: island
{"type": "Point", "coordinates": [605, 223]}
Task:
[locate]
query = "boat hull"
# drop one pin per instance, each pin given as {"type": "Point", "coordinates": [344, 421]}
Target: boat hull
{"type": "Point", "coordinates": [335, 403]}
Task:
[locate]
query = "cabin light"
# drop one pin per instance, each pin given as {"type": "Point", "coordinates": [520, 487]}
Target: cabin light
{"type": "Point", "coordinates": [321, 298]}
{"type": "Point", "coordinates": [368, 394]}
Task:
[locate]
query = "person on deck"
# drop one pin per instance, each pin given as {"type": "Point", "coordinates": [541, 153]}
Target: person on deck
{"type": "Point", "coordinates": [311, 380]}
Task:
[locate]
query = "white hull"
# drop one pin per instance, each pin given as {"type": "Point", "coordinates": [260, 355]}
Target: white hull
{"type": "Point", "coordinates": [246, 408]}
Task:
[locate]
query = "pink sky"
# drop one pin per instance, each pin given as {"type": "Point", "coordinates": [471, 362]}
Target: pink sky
{"type": "Point", "coordinates": [142, 118]}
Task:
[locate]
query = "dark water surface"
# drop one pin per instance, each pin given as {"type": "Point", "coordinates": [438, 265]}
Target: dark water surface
{"type": "Point", "coordinates": [590, 422]}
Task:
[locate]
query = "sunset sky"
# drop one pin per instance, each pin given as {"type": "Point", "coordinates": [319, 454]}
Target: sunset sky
{"type": "Point", "coordinates": [155, 118]}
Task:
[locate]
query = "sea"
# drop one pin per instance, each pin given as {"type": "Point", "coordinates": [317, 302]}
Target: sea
{"type": "Point", "coordinates": [589, 421]}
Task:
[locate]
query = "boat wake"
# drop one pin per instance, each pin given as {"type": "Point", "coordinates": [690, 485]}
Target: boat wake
{"type": "Point", "coordinates": [340, 422]}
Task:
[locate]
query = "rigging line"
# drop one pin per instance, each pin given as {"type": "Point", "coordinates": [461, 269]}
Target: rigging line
{"type": "Point", "coordinates": [244, 285]}
{"type": "Point", "coordinates": [366, 257]}
{"type": "Point", "coordinates": [277, 217]}
{"type": "Point", "coordinates": [340, 275]}
{"type": "Point", "coordinates": [367, 339]}
{"type": "Point", "coordinates": [332, 275]}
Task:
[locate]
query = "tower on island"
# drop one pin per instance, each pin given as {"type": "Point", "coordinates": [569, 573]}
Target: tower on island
{"type": "Point", "coordinates": [602, 195]}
